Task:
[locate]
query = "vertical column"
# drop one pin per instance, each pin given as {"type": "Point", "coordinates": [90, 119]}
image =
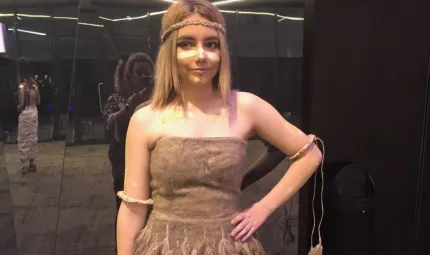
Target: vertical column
{"type": "Point", "coordinates": [58, 83]}
{"type": "Point", "coordinates": [15, 31]}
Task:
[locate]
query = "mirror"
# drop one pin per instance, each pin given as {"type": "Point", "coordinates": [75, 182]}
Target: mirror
{"type": "Point", "coordinates": [8, 243]}
{"type": "Point", "coordinates": [40, 49]}
{"type": "Point", "coordinates": [269, 65]}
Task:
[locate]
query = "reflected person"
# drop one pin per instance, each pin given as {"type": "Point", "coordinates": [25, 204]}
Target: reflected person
{"type": "Point", "coordinates": [133, 82]}
{"type": "Point", "coordinates": [29, 99]}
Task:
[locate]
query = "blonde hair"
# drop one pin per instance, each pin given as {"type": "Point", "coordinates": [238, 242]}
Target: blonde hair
{"type": "Point", "coordinates": [167, 87]}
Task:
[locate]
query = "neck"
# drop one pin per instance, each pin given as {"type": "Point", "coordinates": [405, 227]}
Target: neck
{"type": "Point", "coordinates": [197, 96]}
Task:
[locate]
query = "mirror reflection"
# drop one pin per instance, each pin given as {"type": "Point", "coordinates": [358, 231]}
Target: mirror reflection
{"type": "Point", "coordinates": [7, 236]}
{"type": "Point", "coordinates": [35, 85]}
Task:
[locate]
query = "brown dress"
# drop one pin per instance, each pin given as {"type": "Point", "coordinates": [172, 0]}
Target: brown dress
{"type": "Point", "coordinates": [195, 185]}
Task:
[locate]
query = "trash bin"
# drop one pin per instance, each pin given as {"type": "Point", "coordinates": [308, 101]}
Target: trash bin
{"type": "Point", "coordinates": [348, 226]}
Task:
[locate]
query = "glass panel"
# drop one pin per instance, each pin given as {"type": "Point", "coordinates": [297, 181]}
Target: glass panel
{"type": "Point", "coordinates": [34, 74]}
{"type": "Point", "coordinates": [8, 243]}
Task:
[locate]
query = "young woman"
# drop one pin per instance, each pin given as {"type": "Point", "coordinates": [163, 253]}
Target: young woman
{"type": "Point", "coordinates": [29, 99]}
{"type": "Point", "coordinates": [185, 151]}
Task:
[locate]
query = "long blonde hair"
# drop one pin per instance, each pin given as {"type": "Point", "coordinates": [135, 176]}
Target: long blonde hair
{"type": "Point", "coordinates": [167, 87]}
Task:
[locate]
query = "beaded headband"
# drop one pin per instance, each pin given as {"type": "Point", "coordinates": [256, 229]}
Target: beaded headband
{"type": "Point", "coordinates": [194, 23]}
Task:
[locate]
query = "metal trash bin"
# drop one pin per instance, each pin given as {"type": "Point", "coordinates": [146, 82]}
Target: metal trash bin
{"type": "Point", "coordinates": [348, 226]}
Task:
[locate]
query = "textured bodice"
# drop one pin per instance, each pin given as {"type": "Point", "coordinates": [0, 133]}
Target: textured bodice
{"type": "Point", "coordinates": [195, 185]}
{"type": "Point", "coordinates": [197, 178]}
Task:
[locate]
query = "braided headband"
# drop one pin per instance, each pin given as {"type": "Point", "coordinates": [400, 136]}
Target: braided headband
{"type": "Point", "coordinates": [192, 23]}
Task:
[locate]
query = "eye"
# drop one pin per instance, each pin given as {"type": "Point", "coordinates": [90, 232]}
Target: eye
{"type": "Point", "coordinates": [185, 45]}
{"type": "Point", "coordinates": [212, 45]}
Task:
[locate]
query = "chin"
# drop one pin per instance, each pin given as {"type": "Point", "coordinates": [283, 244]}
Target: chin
{"type": "Point", "coordinates": [200, 80]}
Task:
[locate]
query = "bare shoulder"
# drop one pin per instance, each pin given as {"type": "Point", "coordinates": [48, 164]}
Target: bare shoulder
{"type": "Point", "coordinates": [143, 124]}
{"type": "Point", "coordinates": [251, 104]}
{"type": "Point", "coordinates": [142, 116]}
{"type": "Point", "coordinates": [247, 99]}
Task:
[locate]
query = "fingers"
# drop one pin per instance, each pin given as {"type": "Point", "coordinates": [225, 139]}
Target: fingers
{"type": "Point", "coordinates": [250, 233]}
{"type": "Point", "coordinates": [243, 233]}
{"type": "Point", "coordinates": [238, 229]}
{"type": "Point", "coordinates": [240, 217]}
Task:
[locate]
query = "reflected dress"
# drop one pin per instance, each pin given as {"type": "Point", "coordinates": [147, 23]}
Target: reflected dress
{"type": "Point", "coordinates": [28, 122]}
{"type": "Point", "coordinates": [195, 185]}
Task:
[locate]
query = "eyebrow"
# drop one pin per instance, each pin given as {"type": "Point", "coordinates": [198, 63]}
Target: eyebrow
{"type": "Point", "coordinates": [188, 37]}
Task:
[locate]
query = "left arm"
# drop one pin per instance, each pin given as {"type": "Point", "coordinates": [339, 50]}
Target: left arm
{"type": "Point", "coordinates": [21, 97]}
{"type": "Point", "coordinates": [272, 127]}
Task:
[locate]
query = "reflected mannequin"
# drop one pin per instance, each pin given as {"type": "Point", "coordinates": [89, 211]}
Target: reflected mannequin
{"type": "Point", "coordinates": [29, 99]}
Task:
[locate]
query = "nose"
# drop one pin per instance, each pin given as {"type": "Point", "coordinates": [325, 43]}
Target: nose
{"type": "Point", "coordinates": [201, 54]}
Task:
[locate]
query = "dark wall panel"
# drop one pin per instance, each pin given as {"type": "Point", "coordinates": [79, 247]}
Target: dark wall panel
{"type": "Point", "coordinates": [423, 217]}
{"type": "Point", "coordinates": [369, 69]}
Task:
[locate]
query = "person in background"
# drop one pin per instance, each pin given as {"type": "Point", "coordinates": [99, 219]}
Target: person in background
{"type": "Point", "coordinates": [133, 83]}
{"type": "Point", "coordinates": [29, 99]}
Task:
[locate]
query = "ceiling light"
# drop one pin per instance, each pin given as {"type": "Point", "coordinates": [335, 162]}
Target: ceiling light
{"type": "Point", "coordinates": [157, 13]}
{"type": "Point", "coordinates": [214, 3]}
{"type": "Point", "coordinates": [33, 16]}
{"type": "Point", "coordinates": [282, 17]}
{"type": "Point", "coordinates": [226, 2]}
{"type": "Point", "coordinates": [134, 18]}
{"type": "Point", "coordinates": [89, 24]}
{"type": "Point", "coordinates": [28, 32]}
{"type": "Point", "coordinates": [263, 14]}
{"type": "Point", "coordinates": [59, 17]}
{"type": "Point", "coordinates": [289, 18]}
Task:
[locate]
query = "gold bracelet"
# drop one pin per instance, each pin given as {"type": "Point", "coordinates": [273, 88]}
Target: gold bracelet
{"type": "Point", "coordinates": [312, 138]}
{"type": "Point", "coordinates": [128, 199]}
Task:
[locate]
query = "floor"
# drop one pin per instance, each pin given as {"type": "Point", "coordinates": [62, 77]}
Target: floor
{"type": "Point", "coordinates": [7, 234]}
{"type": "Point", "coordinates": [68, 206]}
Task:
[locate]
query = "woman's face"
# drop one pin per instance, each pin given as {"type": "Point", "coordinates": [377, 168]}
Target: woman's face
{"type": "Point", "coordinates": [198, 53]}
{"type": "Point", "coordinates": [141, 76]}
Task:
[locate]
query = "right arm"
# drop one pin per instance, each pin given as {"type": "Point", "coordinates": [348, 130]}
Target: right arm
{"type": "Point", "coordinates": [131, 216]}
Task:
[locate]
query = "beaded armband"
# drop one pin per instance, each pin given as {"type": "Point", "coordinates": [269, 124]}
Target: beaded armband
{"type": "Point", "coordinates": [312, 139]}
{"type": "Point", "coordinates": [128, 199]}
